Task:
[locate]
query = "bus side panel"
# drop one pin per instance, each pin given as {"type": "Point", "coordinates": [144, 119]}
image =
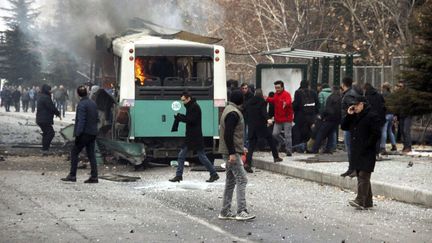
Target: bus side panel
{"type": "Point", "coordinates": [154, 118]}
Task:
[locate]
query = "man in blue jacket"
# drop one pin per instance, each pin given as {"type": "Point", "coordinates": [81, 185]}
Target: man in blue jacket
{"type": "Point", "coordinates": [85, 132]}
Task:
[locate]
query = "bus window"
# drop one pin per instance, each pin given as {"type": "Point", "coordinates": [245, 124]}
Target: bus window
{"type": "Point", "coordinates": [173, 71]}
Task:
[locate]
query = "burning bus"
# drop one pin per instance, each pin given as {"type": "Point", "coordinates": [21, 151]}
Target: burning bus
{"type": "Point", "coordinates": [149, 70]}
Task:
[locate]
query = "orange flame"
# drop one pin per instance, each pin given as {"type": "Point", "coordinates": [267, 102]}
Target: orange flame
{"type": "Point", "coordinates": [139, 70]}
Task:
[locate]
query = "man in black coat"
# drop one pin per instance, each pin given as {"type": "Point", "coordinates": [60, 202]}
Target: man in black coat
{"type": "Point", "coordinates": [349, 94]}
{"type": "Point", "coordinates": [330, 117]}
{"type": "Point", "coordinates": [365, 130]}
{"type": "Point", "coordinates": [306, 108]}
{"type": "Point", "coordinates": [194, 138]}
{"type": "Point", "coordinates": [45, 115]}
{"type": "Point", "coordinates": [256, 113]}
{"type": "Point", "coordinates": [85, 132]}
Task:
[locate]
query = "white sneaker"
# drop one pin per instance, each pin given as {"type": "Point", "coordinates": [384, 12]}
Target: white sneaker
{"type": "Point", "coordinates": [244, 215]}
{"type": "Point", "coordinates": [228, 216]}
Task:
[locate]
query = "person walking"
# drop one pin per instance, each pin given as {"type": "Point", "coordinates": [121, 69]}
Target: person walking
{"type": "Point", "coordinates": [255, 111]}
{"type": "Point", "coordinates": [365, 128]}
{"type": "Point", "coordinates": [283, 117]}
{"type": "Point", "coordinates": [16, 98]}
{"type": "Point", "coordinates": [6, 96]}
{"type": "Point", "coordinates": [44, 117]}
{"type": "Point", "coordinates": [25, 99]}
{"type": "Point", "coordinates": [194, 138]}
{"type": "Point", "coordinates": [85, 131]}
{"type": "Point", "coordinates": [231, 148]}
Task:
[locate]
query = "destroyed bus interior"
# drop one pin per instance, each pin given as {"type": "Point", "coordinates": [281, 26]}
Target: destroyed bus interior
{"type": "Point", "coordinates": [160, 78]}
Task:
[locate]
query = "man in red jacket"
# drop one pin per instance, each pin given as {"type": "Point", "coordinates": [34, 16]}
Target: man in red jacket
{"type": "Point", "coordinates": [284, 115]}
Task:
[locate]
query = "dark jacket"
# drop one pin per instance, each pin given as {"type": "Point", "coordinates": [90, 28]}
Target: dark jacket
{"type": "Point", "coordinates": [86, 118]}
{"type": "Point", "coordinates": [304, 109]}
{"type": "Point", "coordinates": [377, 103]}
{"type": "Point", "coordinates": [255, 112]}
{"type": "Point", "coordinates": [365, 131]}
{"type": "Point", "coordinates": [332, 108]}
{"type": "Point", "coordinates": [45, 107]}
{"type": "Point", "coordinates": [16, 96]}
{"type": "Point", "coordinates": [348, 98]}
{"type": "Point", "coordinates": [194, 137]}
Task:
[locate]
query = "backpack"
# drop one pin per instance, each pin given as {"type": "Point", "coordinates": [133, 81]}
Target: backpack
{"type": "Point", "coordinates": [308, 102]}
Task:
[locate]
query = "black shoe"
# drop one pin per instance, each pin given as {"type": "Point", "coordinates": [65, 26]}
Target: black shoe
{"type": "Point", "coordinates": [69, 178]}
{"type": "Point", "coordinates": [213, 178]}
{"type": "Point", "coordinates": [393, 148]}
{"type": "Point", "coordinates": [278, 159]}
{"type": "Point", "coordinates": [248, 169]}
{"type": "Point", "coordinates": [356, 204]}
{"type": "Point", "coordinates": [92, 180]}
{"type": "Point", "coordinates": [288, 154]}
{"type": "Point", "coordinates": [347, 173]}
{"type": "Point", "coordinates": [177, 179]}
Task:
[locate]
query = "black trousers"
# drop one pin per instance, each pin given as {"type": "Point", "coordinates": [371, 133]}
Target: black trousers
{"type": "Point", "coordinates": [88, 142]}
{"type": "Point", "coordinates": [47, 135]}
{"type": "Point", "coordinates": [253, 140]}
{"type": "Point", "coordinates": [364, 189]}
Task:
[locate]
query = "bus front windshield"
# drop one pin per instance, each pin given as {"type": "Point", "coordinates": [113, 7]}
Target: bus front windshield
{"type": "Point", "coordinates": [173, 71]}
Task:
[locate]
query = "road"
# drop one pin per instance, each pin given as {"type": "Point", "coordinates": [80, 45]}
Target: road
{"type": "Point", "coordinates": [36, 206]}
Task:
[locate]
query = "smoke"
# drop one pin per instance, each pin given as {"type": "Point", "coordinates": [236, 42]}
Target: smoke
{"type": "Point", "coordinates": [70, 25]}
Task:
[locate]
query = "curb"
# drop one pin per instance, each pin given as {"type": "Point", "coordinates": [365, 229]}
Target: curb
{"type": "Point", "coordinates": [399, 193]}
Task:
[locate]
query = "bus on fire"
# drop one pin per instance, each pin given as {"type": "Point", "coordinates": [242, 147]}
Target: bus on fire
{"type": "Point", "coordinates": [151, 73]}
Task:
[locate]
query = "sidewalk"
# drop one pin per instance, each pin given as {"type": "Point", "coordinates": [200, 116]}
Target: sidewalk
{"type": "Point", "coordinates": [393, 178]}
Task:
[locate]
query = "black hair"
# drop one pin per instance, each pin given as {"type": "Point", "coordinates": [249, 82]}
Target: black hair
{"type": "Point", "coordinates": [326, 85]}
{"type": "Point", "coordinates": [304, 84]}
{"type": "Point", "coordinates": [82, 91]}
{"type": "Point", "coordinates": [279, 82]}
{"type": "Point", "coordinates": [186, 94]}
{"type": "Point", "coordinates": [347, 81]}
{"type": "Point", "coordinates": [236, 97]}
{"type": "Point", "coordinates": [244, 84]}
{"type": "Point", "coordinates": [271, 94]}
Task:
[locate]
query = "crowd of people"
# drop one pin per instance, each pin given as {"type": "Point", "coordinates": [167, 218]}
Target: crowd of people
{"type": "Point", "coordinates": [25, 98]}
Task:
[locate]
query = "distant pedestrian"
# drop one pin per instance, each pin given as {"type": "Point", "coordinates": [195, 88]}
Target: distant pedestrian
{"type": "Point", "coordinates": [231, 148]}
{"type": "Point", "coordinates": [283, 117]}
{"type": "Point", "coordinates": [61, 97]}
{"type": "Point", "coordinates": [255, 111]}
{"type": "Point", "coordinates": [25, 99]}
{"type": "Point", "coordinates": [194, 138]}
{"type": "Point", "coordinates": [85, 132]}
{"type": "Point", "coordinates": [33, 98]}
{"type": "Point", "coordinates": [405, 119]}
{"type": "Point", "coordinates": [387, 130]}
{"type": "Point", "coordinates": [16, 99]}
{"type": "Point", "coordinates": [364, 125]}
{"type": "Point", "coordinates": [6, 96]}
{"type": "Point", "coordinates": [45, 115]}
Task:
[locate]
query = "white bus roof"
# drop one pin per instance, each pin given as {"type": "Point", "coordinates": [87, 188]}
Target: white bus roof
{"type": "Point", "coordinates": [143, 39]}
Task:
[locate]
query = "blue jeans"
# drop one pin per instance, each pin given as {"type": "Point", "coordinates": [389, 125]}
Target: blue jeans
{"type": "Point", "coordinates": [387, 130]}
{"type": "Point", "coordinates": [327, 130]}
{"type": "Point", "coordinates": [202, 157]}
